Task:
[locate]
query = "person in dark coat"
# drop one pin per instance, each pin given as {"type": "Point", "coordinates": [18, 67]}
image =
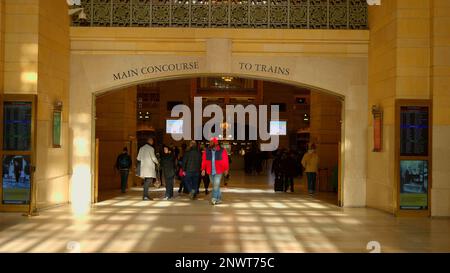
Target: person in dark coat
{"type": "Point", "coordinates": [252, 159]}
{"type": "Point", "coordinates": [248, 162]}
{"type": "Point", "coordinates": [180, 157]}
{"type": "Point", "coordinates": [123, 165]}
{"type": "Point", "coordinates": [276, 165]}
{"type": "Point", "coordinates": [289, 164]}
{"type": "Point", "coordinates": [258, 162]}
{"type": "Point", "coordinates": [168, 167]}
{"type": "Point", "coordinates": [192, 163]}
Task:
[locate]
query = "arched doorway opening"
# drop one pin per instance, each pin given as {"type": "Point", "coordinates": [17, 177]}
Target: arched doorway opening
{"type": "Point", "coordinates": [126, 117]}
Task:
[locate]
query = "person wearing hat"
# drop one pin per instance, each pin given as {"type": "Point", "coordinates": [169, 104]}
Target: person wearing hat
{"type": "Point", "coordinates": [215, 164]}
{"type": "Point", "coordinates": [310, 162]}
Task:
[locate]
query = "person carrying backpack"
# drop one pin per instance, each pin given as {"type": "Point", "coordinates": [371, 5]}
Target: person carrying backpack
{"type": "Point", "coordinates": [123, 165]}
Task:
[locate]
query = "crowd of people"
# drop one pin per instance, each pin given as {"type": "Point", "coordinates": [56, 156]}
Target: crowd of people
{"type": "Point", "coordinates": [288, 164]}
{"type": "Point", "coordinates": [255, 161]}
{"type": "Point", "coordinates": [193, 165]}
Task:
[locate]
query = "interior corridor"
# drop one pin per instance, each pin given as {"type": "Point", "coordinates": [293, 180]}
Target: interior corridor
{"type": "Point", "coordinates": [252, 219]}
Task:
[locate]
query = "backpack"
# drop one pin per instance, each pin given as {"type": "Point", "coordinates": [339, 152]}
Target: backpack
{"type": "Point", "coordinates": [124, 162]}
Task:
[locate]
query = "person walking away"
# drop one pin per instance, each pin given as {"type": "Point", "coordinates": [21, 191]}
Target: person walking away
{"type": "Point", "coordinates": [247, 163]}
{"type": "Point", "coordinates": [215, 164]}
{"type": "Point", "coordinates": [192, 163]}
{"type": "Point", "coordinates": [310, 162]}
{"type": "Point", "coordinates": [290, 171]}
{"type": "Point", "coordinates": [123, 165]}
{"type": "Point", "coordinates": [168, 167]}
{"type": "Point", "coordinates": [278, 170]}
{"type": "Point", "coordinates": [148, 167]}
{"type": "Point", "coordinates": [276, 165]}
{"type": "Point", "coordinates": [258, 162]}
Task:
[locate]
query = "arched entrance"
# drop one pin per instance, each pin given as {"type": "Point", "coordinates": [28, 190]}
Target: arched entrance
{"type": "Point", "coordinates": [127, 117]}
{"type": "Point", "coordinates": [95, 73]}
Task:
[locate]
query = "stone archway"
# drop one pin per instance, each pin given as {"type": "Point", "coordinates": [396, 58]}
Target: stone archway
{"type": "Point", "coordinates": [342, 76]}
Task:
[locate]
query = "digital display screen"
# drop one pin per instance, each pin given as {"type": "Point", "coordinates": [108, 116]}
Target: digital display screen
{"type": "Point", "coordinates": [278, 128]}
{"type": "Point", "coordinates": [414, 127]}
{"type": "Point", "coordinates": [17, 119]}
{"type": "Point", "coordinates": [174, 127]}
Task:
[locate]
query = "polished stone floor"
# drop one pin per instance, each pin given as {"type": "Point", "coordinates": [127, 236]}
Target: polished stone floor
{"type": "Point", "coordinates": [252, 219]}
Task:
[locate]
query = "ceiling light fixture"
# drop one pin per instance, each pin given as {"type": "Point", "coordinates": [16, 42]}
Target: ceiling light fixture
{"type": "Point", "coordinates": [227, 79]}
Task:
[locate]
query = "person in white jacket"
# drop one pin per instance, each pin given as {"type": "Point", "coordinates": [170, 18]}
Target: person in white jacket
{"type": "Point", "coordinates": [310, 162]}
{"type": "Point", "coordinates": [148, 161]}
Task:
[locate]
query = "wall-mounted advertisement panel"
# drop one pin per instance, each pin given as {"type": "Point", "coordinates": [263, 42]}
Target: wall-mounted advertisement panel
{"type": "Point", "coordinates": [16, 179]}
{"type": "Point", "coordinates": [414, 184]}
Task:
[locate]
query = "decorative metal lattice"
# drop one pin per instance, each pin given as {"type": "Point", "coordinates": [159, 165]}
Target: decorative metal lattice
{"type": "Point", "coordinates": [293, 14]}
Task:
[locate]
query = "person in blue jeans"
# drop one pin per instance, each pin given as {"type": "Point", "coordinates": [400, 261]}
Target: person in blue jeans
{"type": "Point", "coordinates": [215, 164]}
{"type": "Point", "coordinates": [310, 162]}
{"type": "Point", "coordinates": [123, 164]}
{"type": "Point", "coordinates": [192, 162]}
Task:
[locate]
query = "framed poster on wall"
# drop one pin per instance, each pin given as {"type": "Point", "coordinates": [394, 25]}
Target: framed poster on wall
{"type": "Point", "coordinates": [413, 157]}
{"type": "Point", "coordinates": [57, 129]}
{"type": "Point", "coordinates": [414, 184]}
{"type": "Point", "coordinates": [16, 179]}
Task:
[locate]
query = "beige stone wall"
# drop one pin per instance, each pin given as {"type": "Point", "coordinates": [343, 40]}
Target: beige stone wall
{"type": "Point", "coordinates": [115, 123]}
{"type": "Point", "coordinates": [409, 59]}
{"type": "Point", "coordinates": [382, 92]}
{"type": "Point", "coordinates": [52, 171]}
{"type": "Point", "coordinates": [281, 93]}
{"type": "Point", "coordinates": [21, 46]}
{"type": "Point", "coordinates": [179, 90]}
{"type": "Point", "coordinates": [36, 61]}
{"type": "Point", "coordinates": [399, 68]}
{"type": "Point", "coordinates": [2, 42]}
{"type": "Point", "coordinates": [440, 195]}
{"type": "Point", "coordinates": [326, 112]}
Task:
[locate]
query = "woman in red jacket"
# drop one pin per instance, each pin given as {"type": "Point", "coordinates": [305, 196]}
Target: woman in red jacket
{"type": "Point", "coordinates": [215, 164]}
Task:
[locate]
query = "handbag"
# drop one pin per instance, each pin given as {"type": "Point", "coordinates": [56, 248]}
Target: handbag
{"type": "Point", "coordinates": [181, 173]}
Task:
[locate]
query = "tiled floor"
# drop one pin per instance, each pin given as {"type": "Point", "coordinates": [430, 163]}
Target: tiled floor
{"type": "Point", "coordinates": [252, 219]}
